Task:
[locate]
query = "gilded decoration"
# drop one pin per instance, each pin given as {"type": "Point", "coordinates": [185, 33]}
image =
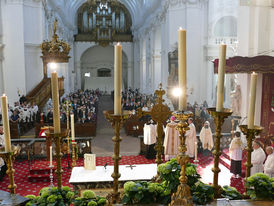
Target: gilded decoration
{"type": "Point", "coordinates": [55, 50]}
{"type": "Point", "coordinates": [104, 22]}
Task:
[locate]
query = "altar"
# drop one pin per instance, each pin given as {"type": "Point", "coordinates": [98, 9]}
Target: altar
{"type": "Point", "coordinates": [83, 179]}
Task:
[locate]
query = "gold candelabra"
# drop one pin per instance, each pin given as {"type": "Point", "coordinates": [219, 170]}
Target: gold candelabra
{"type": "Point", "coordinates": [160, 114]}
{"type": "Point", "coordinates": [250, 136]}
{"type": "Point", "coordinates": [219, 118]}
{"type": "Point", "coordinates": [58, 137]}
{"type": "Point", "coordinates": [73, 154]}
{"type": "Point", "coordinates": [183, 194]}
{"type": "Point", "coordinates": [9, 157]}
{"type": "Point", "coordinates": [67, 107]}
{"type": "Point", "coordinates": [116, 122]}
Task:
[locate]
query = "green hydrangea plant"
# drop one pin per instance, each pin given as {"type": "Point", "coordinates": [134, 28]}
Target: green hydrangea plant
{"type": "Point", "coordinates": [231, 193]}
{"type": "Point", "coordinates": [260, 187]}
{"type": "Point", "coordinates": [89, 199]}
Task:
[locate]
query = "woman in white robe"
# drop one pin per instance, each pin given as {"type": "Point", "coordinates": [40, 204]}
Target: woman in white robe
{"type": "Point", "coordinates": [257, 158]}
{"type": "Point", "coordinates": [206, 136]}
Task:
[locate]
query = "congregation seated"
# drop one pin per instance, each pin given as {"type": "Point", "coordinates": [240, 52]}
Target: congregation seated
{"type": "Point", "coordinates": [133, 99]}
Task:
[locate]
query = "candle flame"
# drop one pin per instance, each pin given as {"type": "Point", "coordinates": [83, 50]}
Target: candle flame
{"type": "Point", "coordinates": [180, 28]}
{"type": "Point", "coordinates": [118, 44]}
{"type": "Point", "coordinates": [4, 94]}
{"type": "Point", "coordinates": [253, 72]}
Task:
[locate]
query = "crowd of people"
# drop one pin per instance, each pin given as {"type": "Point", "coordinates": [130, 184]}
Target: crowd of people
{"type": "Point", "coordinates": [83, 104]}
{"type": "Point", "coordinates": [23, 113]}
{"type": "Point", "coordinates": [132, 99]}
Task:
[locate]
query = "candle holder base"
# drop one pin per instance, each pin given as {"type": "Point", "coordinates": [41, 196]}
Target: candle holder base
{"type": "Point", "coordinates": [58, 137]}
{"type": "Point", "coordinates": [9, 157]}
{"type": "Point", "coordinates": [73, 153]}
{"type": "Point", "coordinates": [116, 122]}
{"type": "Point", "coordinates": [219, 118]}
{"type": "Point", "coordinates": [51, 176]}
{"type": "Point", "coordinates": [183, 193]}
{"type": "Point", "coordinates": [196, 162]}
{"type": "Point", "coordinates": [250, 136]}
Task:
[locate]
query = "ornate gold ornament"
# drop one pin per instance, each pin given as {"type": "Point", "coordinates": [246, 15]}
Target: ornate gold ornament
{"type": "Point", "coordinates": [219, 118]}
{"type": "Point", "coordinates": [55, 50]}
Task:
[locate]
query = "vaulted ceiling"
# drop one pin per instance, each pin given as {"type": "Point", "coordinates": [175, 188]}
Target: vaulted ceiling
{"type": "Point", "coordinates": [139, 9]}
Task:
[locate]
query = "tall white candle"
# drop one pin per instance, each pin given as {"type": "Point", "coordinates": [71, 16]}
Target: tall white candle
{"type": "Point", "coordinates": [196, 152]}
{"type": "Point", "coordinates": [221, 77]}
{"type": "Point", "coordinates": [50, 156]}
{"type": "Point", "coordinates": [252, 100]}
{"type": "Point", "coordinates": [117, 79]}
{"type": "Point", "coordinates": [55, 102]}
{"type": "Point", "coordinates": [72, 127]}
{"type": "Point", "coordinates": [6, 125]}
{"type": "Point", "coordinates": [182, 68]}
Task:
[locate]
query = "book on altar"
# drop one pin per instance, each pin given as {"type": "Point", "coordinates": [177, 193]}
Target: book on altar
{"type": "Point", "coordinates": [90, 161]}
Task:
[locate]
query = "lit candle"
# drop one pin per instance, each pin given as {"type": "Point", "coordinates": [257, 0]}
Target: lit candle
{"type": "Point", "coordinates": [55, 101]}
{"type": "Point", "coordinates": [182, 68]}
{"type": "Point", "coordinates": [196, 152]}
{"type": "Point", "coordinates": [50, 156]}
{"type": "Point", "coordinates": [117, 79]}
{"type": "Point", "coordinates": [72, 127]}
{"type": "Point", "coordinates": [6, 125]}
{"type": "Point", "coordinates": [221, 77]}
{"type": "Point", "coordinates": [252, 100]}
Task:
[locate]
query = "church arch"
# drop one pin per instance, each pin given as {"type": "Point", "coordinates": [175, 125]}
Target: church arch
{"type": "Point", "coordinates": [226, 26]}
{"type": "Point", "coordinates": [97, 68]}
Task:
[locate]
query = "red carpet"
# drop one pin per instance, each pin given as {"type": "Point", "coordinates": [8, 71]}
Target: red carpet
{"type": "Point", "coordinates": [24, 187]}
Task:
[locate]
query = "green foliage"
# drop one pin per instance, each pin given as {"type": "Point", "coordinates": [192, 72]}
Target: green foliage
{"type": "Point", "coordinates": [202, 193]}
{"type": "Point", "coordinates": [89, 199]}
{"type": "Point", "coordinates": [260, 187]}
{"type": "Point", "coordinates": [231, 193]}
{"type": "Point", "coordinates": [143, 192]}
{"type": "Point", "coordinates": [64, 197]}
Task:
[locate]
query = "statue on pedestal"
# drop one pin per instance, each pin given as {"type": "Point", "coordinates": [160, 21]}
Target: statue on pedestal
{"type": "Point", "coordinates": [236, 100]}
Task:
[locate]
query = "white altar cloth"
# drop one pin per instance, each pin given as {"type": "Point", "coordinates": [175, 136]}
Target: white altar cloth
{"type": "Point", "coordinates": [138, 172]}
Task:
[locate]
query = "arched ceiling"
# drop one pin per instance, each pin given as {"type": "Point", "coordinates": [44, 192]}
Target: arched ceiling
{"type": "Point", "coordinates": [139, 9]}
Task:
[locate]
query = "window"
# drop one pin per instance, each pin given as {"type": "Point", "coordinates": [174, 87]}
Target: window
{"type": "Point", "coordinates": [103, 72]}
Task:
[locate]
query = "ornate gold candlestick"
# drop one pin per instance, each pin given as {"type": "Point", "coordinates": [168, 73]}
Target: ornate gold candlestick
{"type": "Point", "coordinates": [73, 153]}
{"type": "Point", "coordinates": [219, 118]}
{"type": "Point", "coordinates": [57, 140]}
{"type": "Point", "coordinates": [250, 136]}
{"type": "Point", "coordinates": [183, 194]}
{"type": "Point", "coordinates": [9, 157]}
{"type": "Point", "coordinates": [116, 122]}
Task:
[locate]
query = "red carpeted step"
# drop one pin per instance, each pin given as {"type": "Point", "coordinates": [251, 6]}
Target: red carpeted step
{"type": "Point", "coordinates": [39, 178]}
{"type": "Point", "coordinates": [238, 183]}
{"type": "Point", "coordinates": [224, 161]}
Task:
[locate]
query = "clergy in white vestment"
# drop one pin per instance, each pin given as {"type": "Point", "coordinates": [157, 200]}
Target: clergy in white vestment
{"type": "Point", "coordinates": [191, 139]}
{"type": "Point", "coordinates": [150, 133]}
{"type": "Point", "coordinates": [172, 140]}
{"type": "Point", "coordinates": [257, 158]}
{"type": "Point", "coordinates": [206, 136]}
{"type": "Point", "coordinates": [235, 150]}
{"type": "Point", "coordinates": [269, 163]}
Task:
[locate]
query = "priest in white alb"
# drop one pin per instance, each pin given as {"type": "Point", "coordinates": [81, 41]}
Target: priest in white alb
{"type": "Point", "coordinates": [191, 139]}
{"type": "Point", "coordinates": [269, 163]}
{"type": "Point", "coordinates": [172, 140]}
{"type": "Point", "coordinates": [257, 158]}
{"type": "Point", "coordinates": [206, 136]}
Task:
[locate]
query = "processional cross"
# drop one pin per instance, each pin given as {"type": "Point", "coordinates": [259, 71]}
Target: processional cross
{"type": "Point", "coordinates": [160, 114]}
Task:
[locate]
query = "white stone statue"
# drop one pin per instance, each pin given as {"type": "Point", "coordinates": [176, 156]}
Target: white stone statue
{"type": "Point", "coordinates": [236, 100]}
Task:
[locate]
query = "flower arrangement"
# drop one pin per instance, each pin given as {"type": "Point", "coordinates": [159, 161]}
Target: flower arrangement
{"type": "Point", "coordinates": [260, 187]}
{"type": "Point", "coordinates": [64, 197]}
{"type": "Point", "coordinates": [231, 193]}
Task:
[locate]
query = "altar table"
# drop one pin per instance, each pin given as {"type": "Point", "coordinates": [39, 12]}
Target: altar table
{"type": "Point", "coordinates": [82, 179]}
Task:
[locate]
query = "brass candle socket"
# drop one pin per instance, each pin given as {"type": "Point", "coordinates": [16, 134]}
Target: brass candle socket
{"type": "Point", "coordinates": [219, 118]}
{"type": "Point", "coordinates": [9, 157]}
{"type": "Point", "coordinates": [116, 122]}
{"type": "Point", "coordinates": [73, 153]}
{"type": "Point", "coordinates": [58, 137]}
{"type": "Point", "coordinates": [250, 136]}
{"type": "Point", "coordinates": [183, 194]}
